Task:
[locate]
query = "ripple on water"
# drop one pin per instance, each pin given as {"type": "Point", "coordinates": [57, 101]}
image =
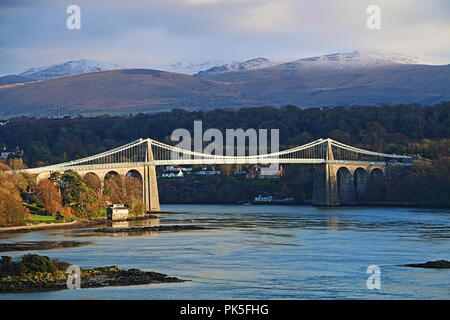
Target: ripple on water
{"type": "Point", "coordinates": [269, 252]}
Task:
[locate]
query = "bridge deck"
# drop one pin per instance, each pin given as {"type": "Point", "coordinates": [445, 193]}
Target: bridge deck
{"type": "Point", "coordinates": [148, 152]}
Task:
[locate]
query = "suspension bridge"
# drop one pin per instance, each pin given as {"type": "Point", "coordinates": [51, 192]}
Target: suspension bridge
{"type": "Point", "coordinates": [341, 171]}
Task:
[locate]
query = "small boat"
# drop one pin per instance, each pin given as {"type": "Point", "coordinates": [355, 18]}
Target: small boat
{"type": "Point", "coordinates": [272, 200]}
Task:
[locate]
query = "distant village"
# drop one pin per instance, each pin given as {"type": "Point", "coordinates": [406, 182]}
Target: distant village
{"type": "Point", "coordinates": [274, 171]}
{"type": "Point", "coordinates": [8, 153]}
{"type": "Point", "coordinates": [250, 172]}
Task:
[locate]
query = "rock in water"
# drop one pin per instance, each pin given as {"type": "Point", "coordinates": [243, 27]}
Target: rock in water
{"type": "Point", "coordinates": [438, 264]}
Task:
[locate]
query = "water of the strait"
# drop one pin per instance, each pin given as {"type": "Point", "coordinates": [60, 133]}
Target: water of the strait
{"type": "Point", "coordinates": [267, 252]}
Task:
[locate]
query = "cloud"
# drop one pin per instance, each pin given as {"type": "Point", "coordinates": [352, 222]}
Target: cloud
{"type": "Point", "coordinates": [270, 16]}
{"type": "Point", "coordinates": [206, 2]}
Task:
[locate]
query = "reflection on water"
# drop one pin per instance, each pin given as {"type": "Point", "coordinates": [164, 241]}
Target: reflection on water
{"type": "Point", "coordinates": [118, 224]}
{"type": "Point", "coordinates": [333, 223]}
{"type": "Point", "coordinates": [267, 252]}
{"type": "Point", "coordinates": [136, 223]}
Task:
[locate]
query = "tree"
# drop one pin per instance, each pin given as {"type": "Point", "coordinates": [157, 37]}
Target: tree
{"type": "Point", "coordinates": [133, 196]}
{"type": "Point", "coordinates": [49, 195]}
{"type": "Point", "coordinates": [93, 182]}
{"type": "Point", "coordinates": [80, 196]}
{"type": "Point", "coordinates": [71, 186]}
{"type": "Point", "coordinates": [16, 163]}
{"type": "Point", "coordinates": [12, 212]}
{"type": "Point", "coordinates": [114, 190]}
{"type": "Point", "coordinates": [89, 205]}
{"type": "Point", "coordinates": [4, 167]}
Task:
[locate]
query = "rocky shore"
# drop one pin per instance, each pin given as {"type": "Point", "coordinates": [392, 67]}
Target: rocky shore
{"type": "Point", "coordinates": [438, 264]}
{"type": "Point", "coordinates": [36, 273]}
{"type": "Point", "coordinates": [77, 224]}
{"type": "Point", "coordinates": [40, 245]}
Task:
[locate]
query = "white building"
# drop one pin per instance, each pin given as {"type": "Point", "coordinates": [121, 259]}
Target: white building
{"type": "Point", "coordinates": [208, 171]}
{"type": "Point", "coordinates": [274, 171]}
{"type": "Point", "coordinates": [178, 174]}
{"type": "Point", "coordinates": [117, 212]}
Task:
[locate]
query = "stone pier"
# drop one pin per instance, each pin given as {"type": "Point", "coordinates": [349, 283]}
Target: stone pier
{"type": "Point", "coordinates": [337, 183]}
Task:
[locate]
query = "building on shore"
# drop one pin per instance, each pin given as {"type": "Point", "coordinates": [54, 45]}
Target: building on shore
{"type": "Point", "coordinates": [175, 172]}
{"type": "Point", "coordinates": [275, 171]}
{"type": "Point", "coordinates": [6, 153]}
{"type": "Point", "coordinates": [208, 171]}
{"type": "Point", "coordinates": [117, 212]}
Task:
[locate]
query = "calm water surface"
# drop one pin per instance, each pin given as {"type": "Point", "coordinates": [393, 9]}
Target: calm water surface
{"type": "Point", "coordinates": [267, 252]}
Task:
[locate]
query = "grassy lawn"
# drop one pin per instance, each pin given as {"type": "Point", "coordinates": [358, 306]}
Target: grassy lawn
{"type": "Point", "coordinates": [42, 219]}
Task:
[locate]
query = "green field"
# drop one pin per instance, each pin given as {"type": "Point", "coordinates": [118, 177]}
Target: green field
{"type": "Point", "coordinates": [40, 218]}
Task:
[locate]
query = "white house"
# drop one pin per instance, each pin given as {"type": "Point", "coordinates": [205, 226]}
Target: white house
{"type": "Point", "coordinates": [6, 153]}
{"type": "Point", "coordinates": [173, 174]}
{"type": "Point", "coordinates": [208, 171]}
{"type": "Point", "coordinates": [117, 212]}
{"type": "Point", "coordinates": [274, 171]}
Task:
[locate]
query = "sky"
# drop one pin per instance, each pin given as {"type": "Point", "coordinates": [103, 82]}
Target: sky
{"type": "Point", "coordinates": [149, 33]}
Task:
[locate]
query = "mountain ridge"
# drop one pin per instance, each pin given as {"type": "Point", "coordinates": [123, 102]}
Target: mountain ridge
{"type": "Point", "coordinates": [252, 64]}
{"type": "Point", "coordinates": [67, 68]}
{"type": "Point", "coordinates": [145, 90]}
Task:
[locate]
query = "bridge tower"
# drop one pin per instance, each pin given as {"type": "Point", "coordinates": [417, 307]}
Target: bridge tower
{"type": "Point", "coordinates": [340, 177]}
{"type": "Point", "coordinates": [325, 186]}
{"type": "Point", "coordinates": [150, 184]}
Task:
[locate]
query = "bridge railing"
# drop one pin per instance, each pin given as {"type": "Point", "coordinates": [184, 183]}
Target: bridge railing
{"type": "Point", "coordinates": [152, 152]}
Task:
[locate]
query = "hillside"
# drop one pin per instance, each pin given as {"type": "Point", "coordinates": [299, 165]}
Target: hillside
{"type": "Point", "coordinates": [355, 78]}
{"type": "Point", "coordinates": [397, 83]}
{"type": "Point", "coordinates": [116, 91]}
{"type": "Point", "coordinates": [10, 79]}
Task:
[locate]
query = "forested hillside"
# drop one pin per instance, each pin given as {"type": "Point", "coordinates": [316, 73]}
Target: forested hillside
{"type": "Point", "coordinates": [403, 129]}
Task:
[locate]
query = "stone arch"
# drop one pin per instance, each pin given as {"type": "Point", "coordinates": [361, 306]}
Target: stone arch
{"type": "Point", "coordinates": [376, 185]}
{"type": "Point", "coordinates": [376, 174]}
{"type": "Point", "coordinates": [360, 178]}
{"type": "Point", "coordinates": [110, 174]}
{"type": "Point", "coordinates": [133, 188]}
{"type": "Point", "coordinates": [113, 186]}
{"type": "Point", "coordinates": [346, 186]}
{"type": "Point", "coordinates": [93, 181]}
{"type": "Point", "coordinates": [135, 174]}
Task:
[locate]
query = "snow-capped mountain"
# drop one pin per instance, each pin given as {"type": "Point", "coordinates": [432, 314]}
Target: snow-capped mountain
{"type": "Point", "coordinates": [67, 68]}
{"type": "Point", "coordinates": [362, 78]}
{"type": "Point", "coordinates": [189, 67]}
{"type": "Point", "coordinates": [355, 60]}
{"type": "Point", "coordinates": [252, 64]}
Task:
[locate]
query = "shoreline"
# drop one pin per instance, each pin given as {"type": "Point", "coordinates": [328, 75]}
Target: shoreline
{"type": "Point", "coordinates": [70, 225]}
{"type": "Point", "coordinates": [308, 203]}
{"type": "Point", "coordinates": [155, 215]}
{"type": "Point", "coordinates": [39, 226]}
{"type": "Point", "coordinates": [36, 273]}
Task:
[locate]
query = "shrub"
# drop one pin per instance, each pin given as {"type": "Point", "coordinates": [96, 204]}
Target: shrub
{"type": "Point", "coordinates": [36, 263]}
